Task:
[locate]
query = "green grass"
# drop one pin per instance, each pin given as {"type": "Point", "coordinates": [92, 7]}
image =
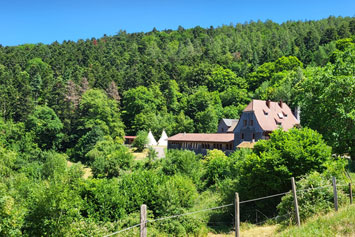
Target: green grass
{"type": "Point", "coordinates": [352, 175]}
{"type": "Point", "coordinates": [341, 223]}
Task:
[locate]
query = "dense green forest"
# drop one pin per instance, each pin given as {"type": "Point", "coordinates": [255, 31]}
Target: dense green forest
{"type": "Point", "coordinates": [76, 100]}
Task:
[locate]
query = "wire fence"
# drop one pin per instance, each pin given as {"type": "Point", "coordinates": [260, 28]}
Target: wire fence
{"type": "Point", "coordinates": [227, 205]}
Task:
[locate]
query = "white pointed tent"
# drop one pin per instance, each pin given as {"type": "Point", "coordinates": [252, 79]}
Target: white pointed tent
{"type": "Point", "coordinates": [151, 139]}
{"type": "Point", "coordinates": [163, 141]}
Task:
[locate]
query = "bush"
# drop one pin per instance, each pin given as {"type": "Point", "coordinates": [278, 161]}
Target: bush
{"type": "Point", "coordinates": [177, 193]}
{"type": "Point", "coordinates": [316, 200]}
{"type": "Point", "coordinates": [121, 196]}
{"type": "Point", "coordinates": [52, 207]}
{"type": "Point", "coordinates": [109, 159]}
{"type": "Point", "coordinates": [218, 167]}
{"type": "Point", "coordinates": [140, 141]}
{"type": "Point", "coordinates": [12, 214]}
{"type": "Point", "coordinates": [185, 163]}
{"type": "Point", "coordinates": [55, 164]}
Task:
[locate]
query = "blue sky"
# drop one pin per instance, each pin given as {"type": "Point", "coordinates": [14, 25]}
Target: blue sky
{"type": "Point", "coordinates": [46, 21]}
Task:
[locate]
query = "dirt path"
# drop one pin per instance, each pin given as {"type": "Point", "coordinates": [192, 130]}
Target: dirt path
{"type": "Point", "coordinates": [160, 151]}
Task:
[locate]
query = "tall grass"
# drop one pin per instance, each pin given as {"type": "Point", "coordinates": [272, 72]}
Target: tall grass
{"type": "Point", "coordinates": [341, 223]}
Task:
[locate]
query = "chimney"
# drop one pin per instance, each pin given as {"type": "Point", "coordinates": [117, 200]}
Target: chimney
{"type": "Point", "coordinates": [297, 113]}
{"type": "Point", "coordinates": [280, 103]}
{"type": "Point", "coordinates": [268, 103]}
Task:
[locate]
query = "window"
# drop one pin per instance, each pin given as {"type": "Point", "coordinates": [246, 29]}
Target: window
{"type": "Point", "coordinates": [253, 135]}
{"type": "Point", "coordinates": [242, 135]}
{"type": "Point", "coordinates": [277, 122]}
{"type": "Point", "coordinates": [245, 122]}
{"type": "Point", "coordinates": [251, 122]}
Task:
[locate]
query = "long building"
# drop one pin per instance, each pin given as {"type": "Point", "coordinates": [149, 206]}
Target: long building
{"type": "Point", "coordinates": [201, 142]}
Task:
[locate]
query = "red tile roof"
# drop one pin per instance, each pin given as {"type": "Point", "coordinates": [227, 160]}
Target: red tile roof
{"type": "Point", "coordinates": [271, 118]}
{"type": "Point", "coordinates": [202, 137]}
{"type": "Point", "coordinates": [246, 144]}
{"type": "Point", "coordinates": [130, 137]}
{"type": "Point", "coordinates": [233, 126]}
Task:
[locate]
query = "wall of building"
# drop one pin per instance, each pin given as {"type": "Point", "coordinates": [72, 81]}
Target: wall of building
{"type": "Point", "coordinates": [222, 127]}
{"type": "Point", "coordinates": [251, 131]}
{"type": "Point", "coordinates": [201, 148]}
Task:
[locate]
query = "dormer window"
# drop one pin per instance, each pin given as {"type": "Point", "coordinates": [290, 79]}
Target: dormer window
{"type": "Point", "coordinates": [281, 115]}
{"type": "Point", "coordinates": [266, 113]}
{"type": "Point", "coordinates": [285, 115]}
{"type": "Point", "coordinates": [278, 123]}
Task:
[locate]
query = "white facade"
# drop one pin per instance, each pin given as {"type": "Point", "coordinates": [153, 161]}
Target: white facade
{"type": "Point", "coordinates": [151, 139]}
{"type": "Point", "coordinates": [163, 141]}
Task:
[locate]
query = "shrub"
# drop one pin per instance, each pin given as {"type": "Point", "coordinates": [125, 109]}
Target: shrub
{"type": "Point", "coordinates": [318, 198]}
{"type": "Point", "coordinates": [121, 196]}
{"type": "Point", "coordinates": [140, 141]}
{"type": "Point", "coordinates": [177, 193]}
{"type": "Point", "coordinates": [55, 164]}
{"type": "Point", "coordinates": [12, 215]}
{"type": "Point", "coordinates": [52, 207]}
{"type": "Point", "coordinates": [218, 167]}
{"type": "Point", "coordinates": [109, 159]}
{"type": "Point", "coordinates": [185, 163]}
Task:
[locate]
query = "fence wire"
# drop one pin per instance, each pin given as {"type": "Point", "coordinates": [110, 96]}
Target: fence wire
{"type": "Point", "coordinates": [117, 232]}
{"type": "Point", "coordinates": [275, 217]}
{"type": "Point", "coordinates": [189, 213]}
{"type": "Point", "coordinates": [223, 206]}
{"type": "Point", "coordinates": [261, 198]}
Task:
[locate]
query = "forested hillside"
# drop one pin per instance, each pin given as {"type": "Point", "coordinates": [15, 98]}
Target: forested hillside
{"type": "Point", "coordinates": [76, 100]}
{"type": "Point", "coordinates": [181, 80]}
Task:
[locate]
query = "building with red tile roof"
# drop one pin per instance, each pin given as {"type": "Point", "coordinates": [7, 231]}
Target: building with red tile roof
{"type": "Point", "coordinates": [201, 142]}
{"type": "Point", "coordinates": [257, 121]}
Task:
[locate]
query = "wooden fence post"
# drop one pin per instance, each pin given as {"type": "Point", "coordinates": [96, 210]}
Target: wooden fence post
{"type": "Point", "coordinates": [143, 221]}
{"type": "Point", "coordinates": [294, 192]}
{"type": "Point", "coordinates": [237, 215]}
{"type": "Point", "coordinates": [335, 194]}
{"type": "Point", "coordinates": [351, 194]}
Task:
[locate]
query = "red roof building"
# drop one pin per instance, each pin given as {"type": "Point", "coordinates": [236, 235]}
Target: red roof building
{"type": "Point", "coordinates": [257, 121]}
{"type": "Point", "coordinates": [201, 142]}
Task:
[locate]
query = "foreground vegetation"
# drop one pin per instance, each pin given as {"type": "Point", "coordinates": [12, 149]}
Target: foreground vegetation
{"type": "Point", "coordinates": [41, 195]}
{"type": "Point", "coordinates": [75, 102]}
{"type": "Point", "coordinates": [341, 223]}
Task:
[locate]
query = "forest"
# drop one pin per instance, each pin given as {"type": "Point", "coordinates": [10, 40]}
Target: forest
{"type": "Point", "coordinates": [73, 102]}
